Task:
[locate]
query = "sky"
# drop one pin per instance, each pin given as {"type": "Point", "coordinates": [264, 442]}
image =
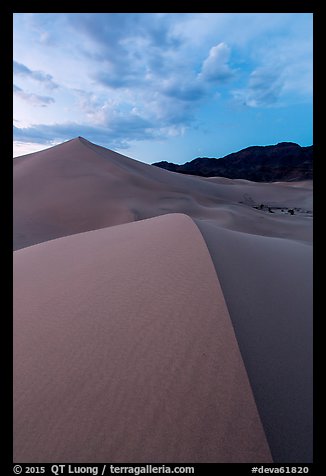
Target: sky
{"type": "Point", "coordinates": [162, 86]}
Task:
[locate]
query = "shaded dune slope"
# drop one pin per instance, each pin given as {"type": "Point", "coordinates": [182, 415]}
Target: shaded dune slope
{"type": "Point", "coordinates": [267, 284]}
{"type": "Point", "coordinates": [134, 357]}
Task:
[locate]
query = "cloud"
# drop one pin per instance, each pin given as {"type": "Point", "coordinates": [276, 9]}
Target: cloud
{"type": "Point", "coordinates": [216, 67]}
{"type": "Point", "coordinates": [142, 64]}
{"type": "Point", "coordinates": [169, 107]}
{"type": "Point", "coordinates": [264, 88]}
{"type": "Point", "coordinates": [117, 133]}
{"type": "Point", "coordinates": [127, 50]}
{"type": "Point", "coordinates": [139, 66]}
{"type": "Point", "coordinates": [114, 127]}
{"type": "Point", "coordinates": [90, 103]}
{"type": "Point", "coordinates": [115, 32]}
{"type": "Point", "coordinates": [33, 99]}
{"type": "Point", "coordinates": [183, 89]}
{"type": "Point", "coordinates": [46, 79]}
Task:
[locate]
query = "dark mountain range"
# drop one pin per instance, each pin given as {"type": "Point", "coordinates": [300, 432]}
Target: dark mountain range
{"type": "Point", "coordinates": [285, 161]}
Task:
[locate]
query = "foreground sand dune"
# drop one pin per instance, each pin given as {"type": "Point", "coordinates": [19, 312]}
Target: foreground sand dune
{"type": "Point", "coordinates": [136, 360]}
{"type": "Point", "coordinates": [267, 284]}
{"type": "Point", "coordinates": [120, 289]}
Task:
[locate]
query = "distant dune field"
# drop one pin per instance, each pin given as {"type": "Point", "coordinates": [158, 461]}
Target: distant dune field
{"type": "Point", "coordinates": [159, 317]}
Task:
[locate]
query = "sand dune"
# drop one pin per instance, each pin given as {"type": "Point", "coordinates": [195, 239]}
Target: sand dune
{"type": "Point", "coordinates": [136, 360]}
{"type": "Point", "coordinates": [78, 186]}
{"type": "Point", "coordinates": [267, 284]}
{"type": "Point", "coordinates": [126, 319]}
